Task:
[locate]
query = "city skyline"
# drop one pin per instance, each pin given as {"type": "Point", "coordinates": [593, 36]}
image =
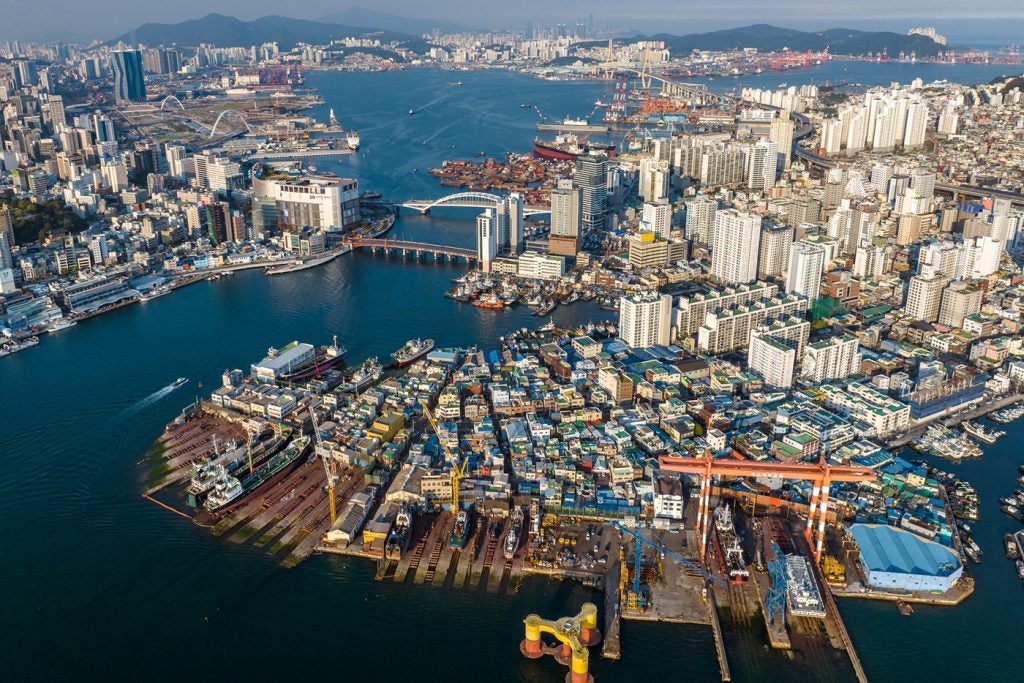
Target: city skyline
{"type": "Point", "coordinates": [997, 20]}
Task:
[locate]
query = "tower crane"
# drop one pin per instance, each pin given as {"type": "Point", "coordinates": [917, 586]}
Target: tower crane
{"type": "Point", "coordinates": [639, 541]}
{"type": "Point", "coordinates": [330, 467]}
{"type": "Point", "coordinates": [458, 470]}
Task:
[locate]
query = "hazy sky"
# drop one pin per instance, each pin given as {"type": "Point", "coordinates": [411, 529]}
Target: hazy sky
{"type": "Point", "coordinates": [107, 18]}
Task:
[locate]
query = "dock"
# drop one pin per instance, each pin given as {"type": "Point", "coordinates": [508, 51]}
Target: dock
{"type": "Point", "coordinates": [716, 628]}
{"type": "Point", "coordinates": [311, 263]}
{"type": "Point", "coordinates": [612, 646]}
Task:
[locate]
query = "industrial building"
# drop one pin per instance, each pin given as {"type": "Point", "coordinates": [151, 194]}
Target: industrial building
{"type": "Point", "coordinates": [896, 559]}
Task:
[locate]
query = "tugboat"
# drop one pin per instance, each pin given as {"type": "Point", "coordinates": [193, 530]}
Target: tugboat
{"type": "Point", "coordinates": [398, 539]}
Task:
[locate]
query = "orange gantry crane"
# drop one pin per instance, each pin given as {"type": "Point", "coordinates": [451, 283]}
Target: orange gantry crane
{"type": "Point", "coordinates": [820, 474]}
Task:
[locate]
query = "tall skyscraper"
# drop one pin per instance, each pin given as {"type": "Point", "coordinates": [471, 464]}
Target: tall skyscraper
{"type": "Point", "coordinates": [735, 247]}
{"type": "Point", "coordinates": [129, 82]}
{"type": "Point", "coordinates": [566, 216]}
{"type": "Point", "coordinates": [645, 319]}
{"type": "Point", "coordinates": [806, 263]}
{"type": "Point", "coordinates": [486, 239]}
{"type": "Point", "coordinates": [592, 179]}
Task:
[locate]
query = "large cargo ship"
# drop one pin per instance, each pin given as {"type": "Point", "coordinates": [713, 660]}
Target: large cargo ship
{"type": "Point", "coordinates": [413, 350]}
{"type": "Point", "coordinates": [566, 147]}
{"type": "Point", "coordinates": [461, 530]}
{"type": "Point", "coordinates": [398, 539]}
{"type": "Point", "coordinates": [515, 532]}
{"type": "Point", "coordinates": [229, 492]}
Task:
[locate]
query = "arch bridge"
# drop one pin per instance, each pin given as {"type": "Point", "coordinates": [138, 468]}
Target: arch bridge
{"type": "Point", "coordinates": [473, 199]}
{"type": "Point", "coordinates": [169, 98]}
{"type": "Point", "coordinates": [238, 115]}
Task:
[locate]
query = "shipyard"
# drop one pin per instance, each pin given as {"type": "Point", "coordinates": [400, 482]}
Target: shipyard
{"type": "Point", "coordinates": [567, 343]}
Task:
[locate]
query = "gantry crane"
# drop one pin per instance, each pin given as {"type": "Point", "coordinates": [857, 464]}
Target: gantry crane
{"type": "Point", "coordinates": [330, 467]}
{"type": "Point", "coordinates": [458, 470]}
{"type": "Point", "coordinates": [639, 540]}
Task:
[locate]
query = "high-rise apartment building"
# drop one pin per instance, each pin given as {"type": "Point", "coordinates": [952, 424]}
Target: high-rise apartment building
{"type": "Point", "coordinates": [806, 264]}
{"type": "Point", "coordinates": [774, 254]}
{"type": "Point", "coordinates": [924, 298]}
{"type": "Point", "coordinates": [645, 319]}
{"type": "Point", "coordinates": [735, 246]}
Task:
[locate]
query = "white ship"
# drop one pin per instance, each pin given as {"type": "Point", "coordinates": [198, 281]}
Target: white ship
{"type": "Point", "coordinates": [224, 492]}
{"type": "Point", "coordinates": [514, 533]}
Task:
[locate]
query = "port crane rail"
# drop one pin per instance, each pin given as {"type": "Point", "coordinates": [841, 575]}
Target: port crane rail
{"type": "Point", "coordinates": [639, 541]}
{"type": "Point", "coordinates": [821, 475]}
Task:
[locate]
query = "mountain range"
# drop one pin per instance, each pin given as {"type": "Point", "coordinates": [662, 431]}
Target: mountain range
{"type": "Point", "coordinates": [224, 31]}
{"type": "Point", "coordinates": [768, 38]}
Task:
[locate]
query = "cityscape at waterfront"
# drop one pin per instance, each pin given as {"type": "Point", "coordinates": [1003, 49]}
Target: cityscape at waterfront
{"type": "Point", "coordinates": [415, 342]}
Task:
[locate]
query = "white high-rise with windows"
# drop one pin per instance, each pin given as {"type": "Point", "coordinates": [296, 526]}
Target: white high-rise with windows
{"type": "Point", "coordinates": [700, 219]}
{"type": "Point", "coordinates": [924, 297]}
{"type": "Point", "coordinates": [773, 259]}
{"type": "Point", "coordinates": [645, 319]}
{"type": "Point", "coordinates": [833, 358]}
{"type": "Point", "coordinates": [806, 264]}
{"type": "Point", "coordinates": [486, 239]}
{"type": "Point", "coordinates": [654, 179]}
{"type": "Point", "coordinates": [762, 165]}
{"type": "Point", "coordinates": [735, 246]}
{"type": "Point", "coordinates": [657, 218]}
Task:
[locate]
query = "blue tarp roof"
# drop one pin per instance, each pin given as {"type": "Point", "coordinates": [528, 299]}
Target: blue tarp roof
{"type": "Point", "coordinates": [888, 549]}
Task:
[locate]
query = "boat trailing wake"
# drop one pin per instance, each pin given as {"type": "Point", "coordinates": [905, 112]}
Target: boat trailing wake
{"type": "Point", "coordinates": [151, 399]}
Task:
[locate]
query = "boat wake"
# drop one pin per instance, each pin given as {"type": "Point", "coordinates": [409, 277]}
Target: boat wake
{"type": "Point", "coordinates": [444, 129]}
{"type": "Point", "coordinates": [151, 399]}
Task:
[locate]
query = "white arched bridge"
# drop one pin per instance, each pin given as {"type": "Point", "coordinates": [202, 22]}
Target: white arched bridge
{"type": "Point", "coordinates": [477, 200]}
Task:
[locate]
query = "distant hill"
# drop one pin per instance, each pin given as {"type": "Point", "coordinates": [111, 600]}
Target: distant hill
{"type": "Point", "coordinates": [363, 16]}
{"type": "Point", "coordinates": [223, 31]}
{"type": "Point", "coordinates": [768, 38]}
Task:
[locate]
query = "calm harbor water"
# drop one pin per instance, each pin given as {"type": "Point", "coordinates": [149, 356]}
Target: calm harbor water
{"type": "Point", "coordinates": [99, 583]}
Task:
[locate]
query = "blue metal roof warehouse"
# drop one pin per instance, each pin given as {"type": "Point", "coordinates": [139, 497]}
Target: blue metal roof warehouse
{"type": "Point", "coordinates": [894, 558]}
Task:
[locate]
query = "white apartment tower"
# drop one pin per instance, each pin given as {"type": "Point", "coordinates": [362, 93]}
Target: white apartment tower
{"type": "Point", "coordinates": [735, 246]}
{"type": "Point", "coordinates": [645, 319]}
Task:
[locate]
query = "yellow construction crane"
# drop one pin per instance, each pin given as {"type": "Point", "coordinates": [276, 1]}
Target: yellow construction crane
{"type": "Point", "coordinates": [330, 468]}
{"type": "Point", "coordinates": [458, 471]}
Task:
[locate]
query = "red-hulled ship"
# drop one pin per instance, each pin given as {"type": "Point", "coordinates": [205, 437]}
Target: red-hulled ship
{"type": "Point", "coordinates": [566, 147]}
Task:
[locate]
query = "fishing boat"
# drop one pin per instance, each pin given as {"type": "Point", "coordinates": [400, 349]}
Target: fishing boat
{"type": "Point", "coordinates": [1012, 549]}
{"type": "Point", "coordinates": [413, 350]}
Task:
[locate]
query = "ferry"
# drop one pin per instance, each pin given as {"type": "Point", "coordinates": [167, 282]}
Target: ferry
{"type": "Point", "coordinates": [155, 293]}
{"type": "Point", "coordinates": [61, 324]}
{"type": "Point", "coordinates": [514, 533]}
{"type": "Point", "coordinates": [461, 530]}
{"type": "Point", "coordinates": [412, 351]}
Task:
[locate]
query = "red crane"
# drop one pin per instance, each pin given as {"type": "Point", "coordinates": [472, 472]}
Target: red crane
{"type": "Point", "coordinates": [820, 474]}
